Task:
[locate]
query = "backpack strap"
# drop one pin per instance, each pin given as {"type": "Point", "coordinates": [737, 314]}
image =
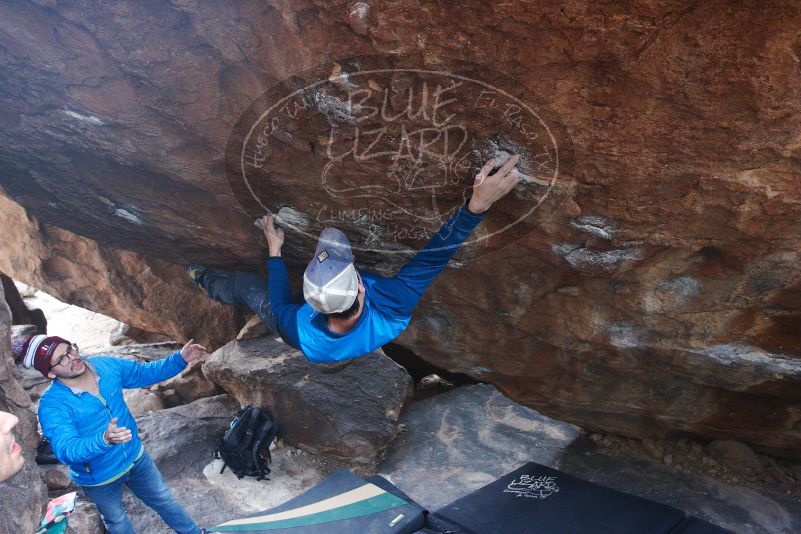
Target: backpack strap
{"type": "Point", "coordinates": [249, 432]}
{"type": "Point", "coordinates": [265, 435]}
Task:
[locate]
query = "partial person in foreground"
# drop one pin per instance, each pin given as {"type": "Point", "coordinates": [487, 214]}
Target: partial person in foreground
{"type": "Point", "coordinates": [91, 429]}
{"type": "Point", "coordinates": [11, 459]}
{"type": "Point", "coordinates": [347, 313]}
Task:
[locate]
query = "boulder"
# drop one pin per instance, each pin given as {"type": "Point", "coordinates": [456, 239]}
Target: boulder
{"type": "Point", "coordinates": [139, 351]}
{"type": "Point", "coordinates": [25, 330]}
{"type": "Point", "coordinates": [184, 436]}
{"type": "Point", "coordinates": [461, 440]}
{"type": "Point", "coordinates": [734, 454]}
{"type": "Point", "coordinates": [149, 293]}
{"type": "Point", "coordinates": [119, 335]}
{"type": "Point", "coordinates": [85, 519]}
{"type": "Point", "coordinates": [33, 382]}
{"type": "Point", "coordinates": [345, 410]}
{"type": "Point", "coordinates": [466, 438]}
{"type": "Point", "coordinates": [24, 494]}
{"type": "Point", "coordinates": [255, 327]}
{"type": "Point", "coordinates": [141, 401]}
{"type": "Point", "coordinates": [58, 479]}
{"type": "Point", "coordinates": [125, 334]}
{"type": "Point", "coordinates": [20, 314]}
{"type": "Point", "coordinates": [641, 279]}
{"type": "Point", "coordinates": [187, 387]}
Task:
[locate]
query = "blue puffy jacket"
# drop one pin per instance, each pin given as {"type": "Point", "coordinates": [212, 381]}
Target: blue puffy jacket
{"type": "Point", "coordinates": [75, 424]}
{"type": "Point", "coordinates": [388, 303]}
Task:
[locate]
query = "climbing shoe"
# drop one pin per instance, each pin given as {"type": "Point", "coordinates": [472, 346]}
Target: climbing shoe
{"type": "Point", "coordinates": [203, 277]}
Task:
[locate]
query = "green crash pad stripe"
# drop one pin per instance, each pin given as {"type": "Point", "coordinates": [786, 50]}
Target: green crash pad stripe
{"type": "Point", "coordinates": [369, 506]}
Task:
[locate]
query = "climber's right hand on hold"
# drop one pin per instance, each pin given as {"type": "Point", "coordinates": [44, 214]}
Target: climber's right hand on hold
{"type": "Point", "coordinates": [275, 236]}
{"type": "Point", "coordinates": [489, 188]}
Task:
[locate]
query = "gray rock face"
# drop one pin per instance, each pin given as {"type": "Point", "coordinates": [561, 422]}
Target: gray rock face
{"type": "Point", "coordinates": [184, 436]}
{"type": "Point", "coordinates": [25, 330]}
{"type": "Point", "coordinates": [57, 478]}
{"type": "Point", "coordinates": [255, 327]}
{"type": "Point", "coordinates": [141, 351]}
{"type": "Point", "coordinates": [21, 496]}
{"type": "Point", "coordinates": [464, 439]}
{"type": "Point", "coordinates": [188, 386]}
{"type": "Point", "coordinates": [86, 519]}
{"type": "Point", "coordinates": [345, 410]}
{"type": "Point", "coordinates": [735, 454]}
{"type": "Point", "coordinates": [33, 382]}
{"type": "Point", "coordinates": [141, 401]}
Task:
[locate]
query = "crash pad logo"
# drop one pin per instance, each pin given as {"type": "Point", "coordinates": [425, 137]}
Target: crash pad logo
{"type": "Point", "coordinates": [533, 487]}
{"type": "Point", "coordinates": [387, 154]}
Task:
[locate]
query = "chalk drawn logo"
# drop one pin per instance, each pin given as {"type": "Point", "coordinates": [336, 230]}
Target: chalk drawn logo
{"type": "Point", "coordinates": [387, 154]}
{"type": "Point", "coordinates": [533, 487]}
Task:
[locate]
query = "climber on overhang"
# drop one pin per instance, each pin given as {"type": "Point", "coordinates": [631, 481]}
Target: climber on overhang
{"type": "Point", "coordinates": [347, 314]}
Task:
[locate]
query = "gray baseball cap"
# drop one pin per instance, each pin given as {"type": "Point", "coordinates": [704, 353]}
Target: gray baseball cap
{"type": "Point", "coordinates": [330, 283]}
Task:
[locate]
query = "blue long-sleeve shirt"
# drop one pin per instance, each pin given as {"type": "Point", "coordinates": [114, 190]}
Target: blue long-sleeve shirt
{"type": "Point", "coordinates": [74, 421]}
{"type": "Point", "coordinates": [388, 302]}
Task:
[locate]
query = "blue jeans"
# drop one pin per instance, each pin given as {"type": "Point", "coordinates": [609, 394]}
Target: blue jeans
{"type": "Point", "coordinates": [242, 289]}
{"type": "Point", "coordinates": [144, 481]}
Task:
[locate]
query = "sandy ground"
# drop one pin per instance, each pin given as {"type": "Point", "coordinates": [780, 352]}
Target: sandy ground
{"type": "Point", "coordinates": [291, 475]}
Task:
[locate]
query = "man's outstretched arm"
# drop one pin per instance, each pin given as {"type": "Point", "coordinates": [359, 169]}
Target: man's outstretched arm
{"type": "Point", "coordinates": [282, 302]}
{"type": "Point", "coordinates": [135, 375]}
{"type": "Point", "coordinates": [400, 294]}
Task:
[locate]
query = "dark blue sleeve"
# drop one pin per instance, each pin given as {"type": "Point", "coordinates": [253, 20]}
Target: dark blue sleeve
{"type": "Point", "coordinates": [398, 295]}
{"type": "Point", "coordinates": [282, 302]}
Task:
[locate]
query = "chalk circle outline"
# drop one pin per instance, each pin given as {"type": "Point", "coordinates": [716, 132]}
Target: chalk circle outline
{"type": "Point", "coordinates": [349, 75]}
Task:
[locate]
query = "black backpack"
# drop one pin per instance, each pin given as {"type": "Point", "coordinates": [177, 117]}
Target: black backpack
{"type": "Point", "coordinates": [245, 447]}
{"type": "Point", "coordinates": [44, 452]}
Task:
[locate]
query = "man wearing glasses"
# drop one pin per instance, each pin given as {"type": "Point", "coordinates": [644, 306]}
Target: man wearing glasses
{"type": "Point", "coordinates": [91, 429]}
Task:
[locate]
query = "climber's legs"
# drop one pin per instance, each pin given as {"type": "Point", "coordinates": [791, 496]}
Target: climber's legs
{"type": "Point", "coordinates": [237, 288]}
